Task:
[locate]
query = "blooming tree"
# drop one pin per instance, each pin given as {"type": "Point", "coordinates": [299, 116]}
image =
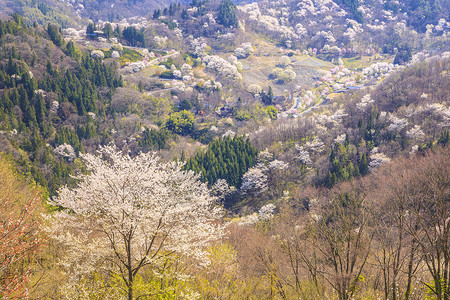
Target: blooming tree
{"type": "Point", "coordinates": [284, 61]}
{"type": "Point", "coordinates": [129, 213]}
{"type": "Point", "coordinates": [254, 181]}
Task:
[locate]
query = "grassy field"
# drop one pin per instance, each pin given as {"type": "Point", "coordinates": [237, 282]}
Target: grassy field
{"type": "Point", "coordinates": [256, 70]}
{"type": "Point", "coordinates": [365, 61]}
{"type": "Point", "coordinates": [128, 55]}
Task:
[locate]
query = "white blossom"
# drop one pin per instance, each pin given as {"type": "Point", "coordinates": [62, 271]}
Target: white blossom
{"type": "Point", "coordinates": [315, 145]}
{"type": "Point", "coordinates": [303, 155]}
{"type": "Point", "coordinates": [340, 139]}
{"type": "Point", "coordinates": [249, 219]}
{"type": "Point", "coordinates": [66, 151]}
{"type": "Point", "coordinates": [377, 159]}
{"type": "Point", "coordinates": [415, 133]}
{"type": "Point", "coordinates": [186, 69]}
{"type": "Point", "coordinates": [54, 106]}
{"type": "Point", "coordinates": [264, 157]}
{"type": "Point", "coordinates": [115, 54]}
{"type": "Point", "coordinates": [128, 213]}
{"type": "Point", "coordinates": [222, 66]}
{"type": "Point", "coordinates": [284, 61]}
{"type": "Point", "coordinates": [266, 212]}
{"type": "Point", "coordinates": [278, 165]}
{"type": "Point", "coordinates": [254, 89]}
{"type": "Point", "coordinates": [365, 101]}
{"type": "Point", "coordinates": [229, 133]}
{"type": "Point", "coordinates": [254, 181]}
{"type": "Point", "coordinates": [397, 124]}
{"type": "Point", "coordinates": [221, 189]}
{"type": "Point", "coordinates": [97, 54]}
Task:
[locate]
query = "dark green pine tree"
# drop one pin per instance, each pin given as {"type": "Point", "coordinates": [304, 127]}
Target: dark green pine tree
{"type": "Point", "coordinates": [55, 35]}
{"type": "Point", "coordinates": [363, 164]}
{"type": "Point", "coordinates": [225, 158]}
{"type": "Point", "coordinates": [90, 28]}
{"type": "Point", "coordinates": [108, 30]}
{"type": "Point", "coordinates": [227, 14]}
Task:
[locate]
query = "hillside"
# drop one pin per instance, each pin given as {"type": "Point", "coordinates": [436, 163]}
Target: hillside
{"type": "Point", "coordinates": [77, 13]}
{"type": "Point", "coordinates": [224, 149]}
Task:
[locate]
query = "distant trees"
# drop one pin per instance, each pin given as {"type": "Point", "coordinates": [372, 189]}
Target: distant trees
{"type": "Point", "coordinates": [134, 36]}
{"type": "Point", "coordinates": [90, 28]}
{"type": "Point", "coordinates": [130, 215]}
{"type": "Point", "coordinates": [267, 98]}
{"type": "Point", "coordinates": [345, 163]}
{"type": "Point", "coordinates": [108, 30]}
{"type": "Point", "coordinates": [181, 122]}
{"type": "Point", "coordinates": [284, 61]}
{"type": "Point", "coordinates": [414, 196]}
{"type": "Point", "coordinates": [154, 139]}
{"type": "Point", "coordinates": [55, 35]}
{"type": "Point", "coordinates": [226, 158]}
{"type": "Point", "coordinates": [403, 56]}
{"type": "Point", "coordinates": [72, 50]}
{"type": "Point", "coordinates": [35, 106]}
{"type": "Point", "coordinates": [353, 5]}
{"type": "Point", "coordinates": [227, 14]}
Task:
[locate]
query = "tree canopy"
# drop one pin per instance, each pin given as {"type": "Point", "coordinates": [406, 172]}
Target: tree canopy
{"type": "Point", "coordinates": [227, 14]}
{"type": "Point", "coordinates": [140, 209]}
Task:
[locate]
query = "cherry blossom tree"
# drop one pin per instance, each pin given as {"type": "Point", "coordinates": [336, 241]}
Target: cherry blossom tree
{"type": "Point", "coordinates": [130, 213]}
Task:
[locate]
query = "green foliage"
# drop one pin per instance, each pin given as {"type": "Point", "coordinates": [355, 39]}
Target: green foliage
{"type": "Point", "coordinates": [353, 7]}
{"type": "Point", "coordinates": [25, 109]}
{"type": "Point", "coordinates": [167, 75]}
{"type": "Point", "coordinates": [127, 55]}
{"type": "Point", "coordinates": [156, 14]}
{"type": "Point", "coordinates": [267, 98]}
{"type": "Point", "coordinates": [90, 28]}
{"type": "Point", "coordinates": [68, 136]}
{"type": "Point", "coordinates": [41, 12]}
{"type": "Point", "coordinates": [108, 31]}
{"type": "Point", "coordinates": [167, 63]}
{"type": "Point", "coordinates": [134, 36]}
{"type": "Point", "coordinates": [72, 50]}
{"type": "Point", "coordinates": [55, 35]}
{"type": "Point", "coordinates": [225, 158]}
{"type": "Point", "coordinates": [12, 27]}
{"type": "Point", "coordinates": [443, 138]}
{"type": "Point", "coordinates": [227, 14]}
{"type": "Point", "coordinates": [170, 24]}
{"type": "Point", "coordinates": [271, 112]}
{"type": "Point", "coordinates": [185, 105]}
{"type": "Point", "coordinates": [243, 115]}
{"type": "Point", "coordinates": [153, 139]}
{"type": "Point", "coordinates": [345, 163]}
{"type": "Point", "coordinates": [181, 122]}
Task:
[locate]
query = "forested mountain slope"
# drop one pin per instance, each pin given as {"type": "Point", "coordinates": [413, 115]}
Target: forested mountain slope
{"type": "Point", "coordinates": [42, 86]}
{"type": "Point", "coordinates": [224, 150]}
{"type": "Point", "coordinates": [75, 13]}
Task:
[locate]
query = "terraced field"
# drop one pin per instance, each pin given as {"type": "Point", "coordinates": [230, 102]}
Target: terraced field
{"type": "Point", "coordinates": [256, 70]}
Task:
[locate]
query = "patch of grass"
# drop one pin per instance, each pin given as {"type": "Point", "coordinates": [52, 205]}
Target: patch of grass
{"type": "Point", "coordinates": [364, 61]}
{"type": "Point", "coordinates": [128, 55]}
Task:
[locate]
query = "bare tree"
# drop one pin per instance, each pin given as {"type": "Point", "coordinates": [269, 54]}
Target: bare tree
{"type": "Point", "coordinates": [343, 239]}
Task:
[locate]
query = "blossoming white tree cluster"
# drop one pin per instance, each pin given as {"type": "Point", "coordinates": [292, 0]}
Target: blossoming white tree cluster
{"type": "Point", "coordinates": [66, 151]}
{"type": "Point", "coordinates": [244, 50]}
{"type": "Point", "coordinates": [222, 66]}
{"type": "Point", "coordinates": [129, 212]}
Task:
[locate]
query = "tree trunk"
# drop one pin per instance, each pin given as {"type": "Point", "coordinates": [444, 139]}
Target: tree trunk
{"type": "Point", "coordinates": [410, 271]}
